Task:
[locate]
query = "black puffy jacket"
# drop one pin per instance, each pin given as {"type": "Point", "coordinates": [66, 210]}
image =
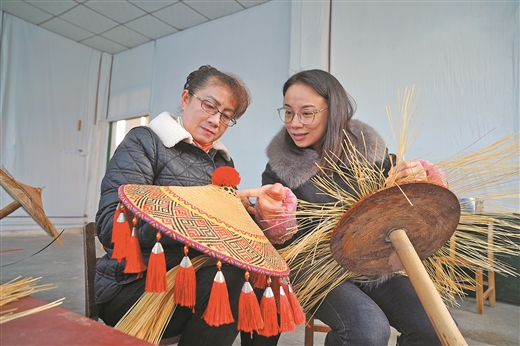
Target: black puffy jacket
{"type": "Point", "coordinates": [161, 154]}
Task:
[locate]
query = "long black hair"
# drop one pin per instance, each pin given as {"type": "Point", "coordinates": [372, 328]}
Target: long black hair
{"type": "Point", "coordinates": [341, 107]}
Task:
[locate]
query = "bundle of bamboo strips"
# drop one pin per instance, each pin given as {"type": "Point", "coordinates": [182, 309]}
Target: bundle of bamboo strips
{"type": "Point", "coordinates": [149, 316]}
{"type": "Point", "coordinates": [482, 174]}
{"type": "Point", "coordinates": [19, 288]}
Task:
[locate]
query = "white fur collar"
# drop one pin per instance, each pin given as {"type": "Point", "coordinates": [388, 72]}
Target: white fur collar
{"type": "Point", "coordinates": [170, 132]}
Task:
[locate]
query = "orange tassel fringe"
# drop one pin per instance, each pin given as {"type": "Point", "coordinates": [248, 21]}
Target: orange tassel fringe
{"type": "Point", "coordinates": [275, 286]}
{"type": "Point", "coordinates": [249, 315]}
{"type": "Point", "coordinates": [185, 289]}
{"type": "Point", "coordinates": [259, 280]}
{"type": "Point", "coordinates": [121, 231]}
{"type": "Point", "coordinates": [134, 258]}
{"type": "Point", "coordinates": [156, 275]}
{"type": "Point", "coordinates": [286, 315]}
{"type": "Point", "coordinates": [218, 311]}
{"type": "Point", "coordinates": [269, 314]}
{"type": "Point", "coordinates": [298, 314]}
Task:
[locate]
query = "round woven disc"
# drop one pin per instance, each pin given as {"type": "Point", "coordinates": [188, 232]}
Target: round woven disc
{"type": "Point", "coordinates": [359, 240]}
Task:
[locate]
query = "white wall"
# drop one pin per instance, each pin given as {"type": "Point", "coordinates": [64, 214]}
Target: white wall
{"type": "Point", "coordinates": [462, 57]}
{"type": "Point", "coordinates": [51, 93]}
{"type": "Point", "coordinates": [254, 44]}
{"type": "Point", "coordinates": [50, 83]}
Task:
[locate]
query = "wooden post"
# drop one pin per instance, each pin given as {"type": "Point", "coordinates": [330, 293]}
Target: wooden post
{"type": "Point", "coordinates": [8, 209]}
{"type": "Point", "coordinates": [444, 325]}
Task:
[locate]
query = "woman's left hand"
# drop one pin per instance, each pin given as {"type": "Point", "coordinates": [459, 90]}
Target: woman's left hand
{"type": "Point", "coordinates": [406, 172]}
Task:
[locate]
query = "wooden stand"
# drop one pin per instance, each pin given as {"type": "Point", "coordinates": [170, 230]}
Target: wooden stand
{"type": "Point", "coordinates": [437, 312]}
{"type": "Point", "coordinates": [30, 199]}
{"type": "Point", "coordinates": [398, 227]}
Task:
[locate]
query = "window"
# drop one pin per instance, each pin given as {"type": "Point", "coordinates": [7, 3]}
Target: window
{"type": "Point", "coordinates": [119, 129]}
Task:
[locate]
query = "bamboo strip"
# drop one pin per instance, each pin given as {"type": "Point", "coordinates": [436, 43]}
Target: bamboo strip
{"type": "Point", "coordinates": [148, 317]}
{"type": "Point", "coordinates": [11, 316]}
{"type": "Point", "coordinates": [19, 288]}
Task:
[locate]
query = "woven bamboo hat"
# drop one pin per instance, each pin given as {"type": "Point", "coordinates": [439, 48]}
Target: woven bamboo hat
{"type": "Point", "coordinates": [210, 219]}
{"type": "Point", "coordinates": [30, 199]}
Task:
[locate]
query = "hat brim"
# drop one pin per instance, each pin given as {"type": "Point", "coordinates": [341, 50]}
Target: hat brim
{"type": "Point", "coordinates": [210, 219]}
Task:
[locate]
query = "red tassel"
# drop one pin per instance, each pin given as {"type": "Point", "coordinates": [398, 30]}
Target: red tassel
{"type": "Point", "coordinates": [249, 315]}
{"type": "Point", "coordinates": [286, 315]}
{"type": "Point", "coordinates": [218, 311]}
{"type": "Point", "coordinates": [185, 288]}
{"type": "Point", "coordinates": [298, 314]}
{"type": "Point", "coordinates": [259, 280]}
{"type": "Point", "coordinates": [134, 257]}
{"type": "Point", "coordinates": [269, 314]}
{"type": "Point", "coordinates": [121, 231]}
{"type": "Point", "coordinates": [156, 275]}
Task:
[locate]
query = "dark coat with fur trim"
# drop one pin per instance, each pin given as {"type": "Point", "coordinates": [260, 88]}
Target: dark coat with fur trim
{"type": "Point", "coordinates": [296, 171]}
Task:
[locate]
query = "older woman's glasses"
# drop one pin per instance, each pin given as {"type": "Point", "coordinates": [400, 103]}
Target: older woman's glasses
{"type": "Point", "coordinates": [305, 116]}
{"type": "Point", "coordinates": [210, 108]}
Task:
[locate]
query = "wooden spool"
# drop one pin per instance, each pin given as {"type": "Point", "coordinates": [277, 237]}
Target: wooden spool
{"type": "Point", "coordinates": [396, 228]}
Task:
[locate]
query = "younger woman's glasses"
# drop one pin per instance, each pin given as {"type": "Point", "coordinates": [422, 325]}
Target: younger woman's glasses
{"type": "Point", "coordinates": [305, 116]}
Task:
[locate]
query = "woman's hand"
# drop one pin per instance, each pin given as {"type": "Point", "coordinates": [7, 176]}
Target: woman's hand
{"type": "Point", "coordinates": [269, 199]}
{"type": "Point", "coordinates": [406, 172]}
{"type": "Point", "coordinates": [247, 204]}
{"type": "Point", "coordinates": [275, 211]}
{"type": "Point", "coordinates": [416, 170]}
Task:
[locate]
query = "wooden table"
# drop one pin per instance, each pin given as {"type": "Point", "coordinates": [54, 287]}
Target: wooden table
{"type": "Point", "coordinates": [57, 326]}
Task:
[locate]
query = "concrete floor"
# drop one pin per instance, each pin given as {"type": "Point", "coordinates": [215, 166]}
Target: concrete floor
{"type": "Point", "coordinates": [62, 266]}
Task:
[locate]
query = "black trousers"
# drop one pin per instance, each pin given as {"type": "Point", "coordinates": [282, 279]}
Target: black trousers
{"type": "Point", "coordinates": [194, 330]}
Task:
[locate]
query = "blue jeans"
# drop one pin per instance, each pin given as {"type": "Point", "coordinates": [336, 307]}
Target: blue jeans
{"type": "Point", "coordinates": [363, 314]}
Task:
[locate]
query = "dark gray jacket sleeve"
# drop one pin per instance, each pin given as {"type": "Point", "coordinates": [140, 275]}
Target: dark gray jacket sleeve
{"type": "Point", "coordinates": [133, 163]}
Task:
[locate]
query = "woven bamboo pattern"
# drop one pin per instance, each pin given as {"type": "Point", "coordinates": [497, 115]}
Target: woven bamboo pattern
{"type": "Point", "coordinates": [210, 219]}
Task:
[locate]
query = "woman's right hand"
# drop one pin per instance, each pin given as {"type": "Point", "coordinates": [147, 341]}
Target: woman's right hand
{"type": "Point", "coordinates": [269, 199]}
{"type": "Point", "coordinates": [275, 211]}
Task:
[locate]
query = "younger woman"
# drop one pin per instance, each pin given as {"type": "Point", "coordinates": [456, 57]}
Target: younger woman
{"type": "Point", "coordinates": [317, 112]}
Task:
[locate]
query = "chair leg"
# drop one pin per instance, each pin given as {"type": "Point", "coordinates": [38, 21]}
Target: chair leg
{"type": "Point", "coordinates": [479, 291]}
{"type": "Point", "coordinates": [309, 330]}
{"type": "Point", "coordinates": [491, 285]}
{"type": "Point", "coordinates": [491, 274]}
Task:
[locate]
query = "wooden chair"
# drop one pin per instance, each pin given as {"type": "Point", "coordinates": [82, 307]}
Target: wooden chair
{"type": "Point", "coordinates": [312, 327]}
{"type": "Point", "coordinates": [484, 284]}
{"type": "Point", "coordinates": [90, 260]}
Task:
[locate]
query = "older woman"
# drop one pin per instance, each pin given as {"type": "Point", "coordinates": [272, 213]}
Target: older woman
{"type": "Point", "coordinates": [179, 150]}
